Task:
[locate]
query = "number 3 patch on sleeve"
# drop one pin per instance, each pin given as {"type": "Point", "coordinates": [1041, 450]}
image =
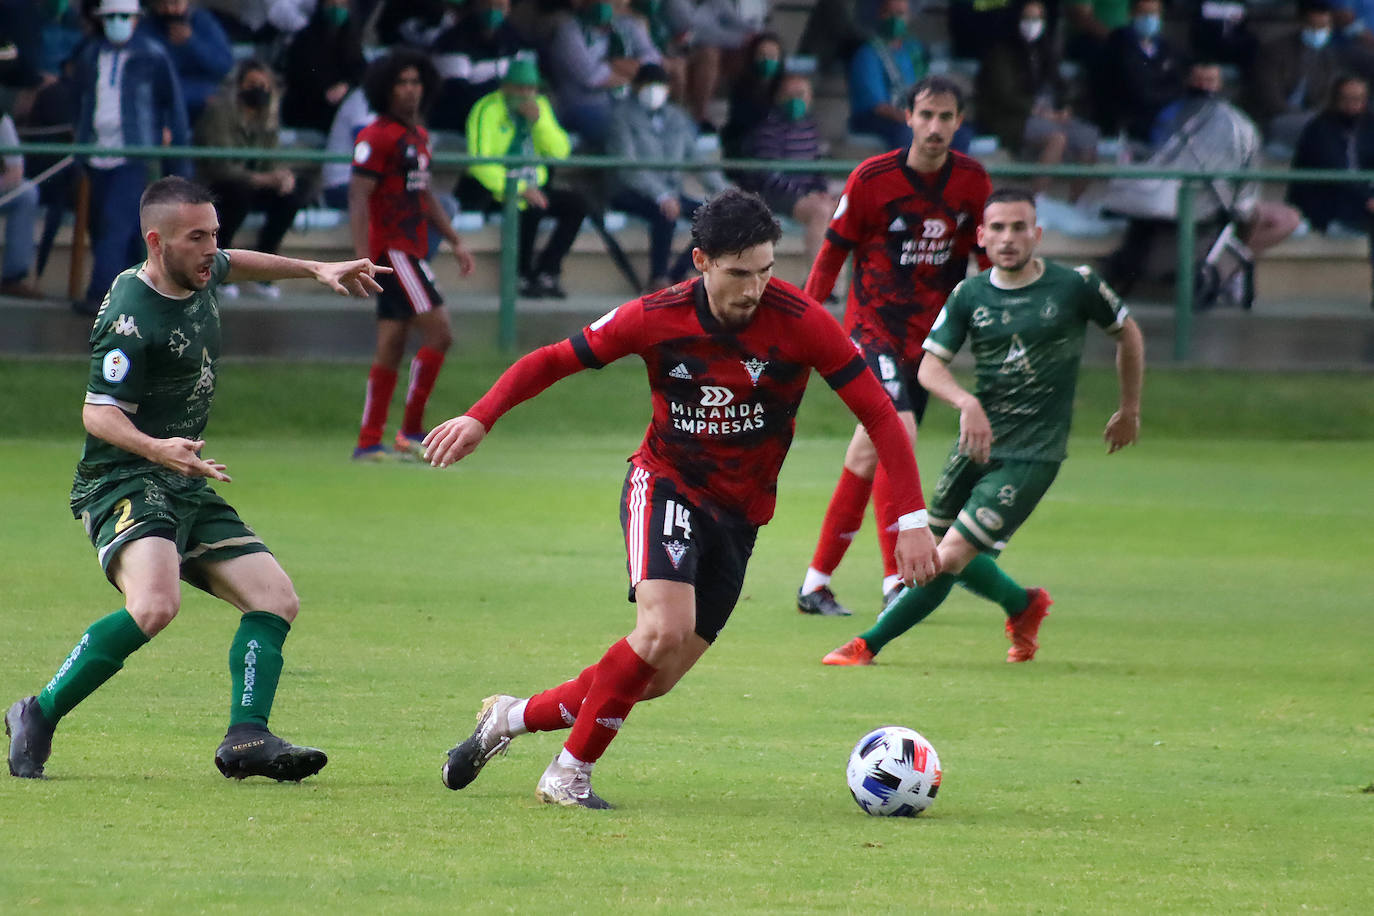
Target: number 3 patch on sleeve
{"type": "Point", "coordinates": [116, 366]}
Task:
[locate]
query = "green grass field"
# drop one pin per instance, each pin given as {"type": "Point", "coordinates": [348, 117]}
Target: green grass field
{"type": "Point", "coordinates": [1196, 735]}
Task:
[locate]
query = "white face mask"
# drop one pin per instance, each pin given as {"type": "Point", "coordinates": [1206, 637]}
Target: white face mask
{"type": "Point", "coordinates": [653, 96]}
{"type": "Point", "coordinates": [119, 29]}
{"type": "Point", "coordinates": [1032, 29]}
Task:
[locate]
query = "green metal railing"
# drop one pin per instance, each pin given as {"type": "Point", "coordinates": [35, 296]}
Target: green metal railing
{"type": "Point", "coordinates": [1189, 183]}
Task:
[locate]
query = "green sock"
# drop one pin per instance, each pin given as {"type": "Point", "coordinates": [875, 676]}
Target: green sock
{"type": "Point", "coordinates": [915, 605]}
{"type": "Point", "coordinates": [255, 667]}
{"type": "Point", "coordinates": [96, 658]}
{"type": "Point", "coordinates": [985, 578]}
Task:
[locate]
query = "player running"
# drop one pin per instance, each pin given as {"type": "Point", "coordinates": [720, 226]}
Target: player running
{"type": "Point", "coordinates": [390, 210]}
{"type": "Point", "coordinates": [909, 217]}
{"type": "Point", "coordinates": [141, 488]}
{"type": "Point", "coordinates": [1025, 321]}
{"type": "Point", "coordinates": [728, 357]}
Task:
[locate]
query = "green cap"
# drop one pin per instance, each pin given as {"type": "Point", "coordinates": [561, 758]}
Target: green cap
{"type": "Point", "coordinates": [522, 72]}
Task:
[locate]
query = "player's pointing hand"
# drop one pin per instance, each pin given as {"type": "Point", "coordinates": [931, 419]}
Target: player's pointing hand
{"type": "Point", "coordinates": [351, 278]}
{"type": "Point", "coordinates": [453, 440]}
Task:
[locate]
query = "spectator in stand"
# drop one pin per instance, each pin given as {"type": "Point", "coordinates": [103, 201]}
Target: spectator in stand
{"type": "Point", "coordinates": [977, 25]}
{"type": "Point", "coordinates": [720, 32]}
{"type": "Point", "coordinates": [753, 92]}
{"type": "Point", "coordinates": [517, 120]}
{"type": "Point", "coordinates": [322, 63]}
{"type": "Point", "coordinates": [130, 96]}
{"type": "Point", "coordinates": [1341, 136]}
{"type": "Point", "coordinates": [880, 72]}
{"type": "Point", "coordinates": [790, 132]}
{"type": "Point", "coordinates": [669, 24]}
{"type": "Point", "coordinates": [20, 213]}
{"type": "Point", "coordinates": [246, 115]}
{"type": "Point", "coordinates": [832, 34]}
{"type": "Point", "coordinates": [1090, 22]}
{"type": "Point", "coordinates": [351, 117]}
{"type": "Point", "coordinates": [593, 54]}
{"type": "Point", "coordinates": [645, 125]}
{"type": "Point", "coordinates": [1221, 32]}
{"type": "Point", "coordinates": [1024, 101]}
{"type": "Point", "coordinates": [472, 56]}
{"type": "Point", "coordinates": [1141, 73]}
{"type": "Point", "coordinates": [417, 23]}
{"type": "Point", "coordinates": [197, 45]}
{"type": "Point", "coordinates": [1294, 78]}
{"type": "Point", "coordinates": [21, 73]}
{"type": "Point", "coordinates": [260, 21]}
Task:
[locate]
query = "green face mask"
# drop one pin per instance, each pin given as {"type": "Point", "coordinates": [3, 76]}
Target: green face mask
{"type": "Point", "coordinates": [794, 109]}
{"type": "Point", "coordinates": [766, 67]}
{"type": "Point", "coordinates": [513, 103]}
{"type": "Point", "coordinates": [893, 27]}
{"type": "Point", "coordinates": [598, 13]}
{"type": "Point", "coordinates": [336, 15]}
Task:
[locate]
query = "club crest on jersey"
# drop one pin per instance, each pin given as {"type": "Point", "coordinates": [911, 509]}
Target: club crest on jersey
{"type": "Point", "coordinates": [680, 371]}
{"type": "Point", "coordinates": [177, 342]}
{"type": "Point", "coordinates": [1049, 309]}
{"type": "Point", "coordinates": [125, 325]}
{"type": "Point", "coordinates": [755, 368]}
{"type": "Point", "coordinates": [1007, 495]}
{"type": "Point", "coordinates": [676, 551]}
{"type": "Point", "coordinates": [897, 225]}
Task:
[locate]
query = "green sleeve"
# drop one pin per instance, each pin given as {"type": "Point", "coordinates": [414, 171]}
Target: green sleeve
{"type": "Point", "coordinates": [1102, 306]}
{"type": "Point", "coordinates": [220, 268]}
{"type": "Point", "coordinates": [120, 344]}
{"type": "Point", "coordinates": [951, 325]}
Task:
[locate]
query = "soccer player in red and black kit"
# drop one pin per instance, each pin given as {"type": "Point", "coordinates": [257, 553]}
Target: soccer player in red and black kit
{"type": "Point", "coordinates": [728, 357]}
{"type": "Point", "coordinates": [909, 217]}
{"type": "Point", "coordinates": [390, 208]}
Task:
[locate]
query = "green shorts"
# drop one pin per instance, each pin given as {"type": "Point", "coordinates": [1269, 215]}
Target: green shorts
{"type": "Point", "coordinates": [986, 503]}
{"type": "Point", "coordinates": [203, 526]}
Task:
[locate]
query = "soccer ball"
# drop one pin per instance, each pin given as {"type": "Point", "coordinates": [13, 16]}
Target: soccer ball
{"type": "Point", "coordinates": [894, 772]}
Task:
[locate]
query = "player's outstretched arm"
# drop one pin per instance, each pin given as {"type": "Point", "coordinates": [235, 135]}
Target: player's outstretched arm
{"type": "Point", "coordinates": [1123, 428]}
{"type": "Point", "coordinates": [107, 422]}
{"type": "Point", "coordinates": [347, 278]}
{"type": "Point", "coordinates": [453, 440]}
{"type": "Point", "coordinates": [975, 432]}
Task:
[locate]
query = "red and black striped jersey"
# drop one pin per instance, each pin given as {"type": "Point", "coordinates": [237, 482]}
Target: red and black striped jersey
{"type": "Point", "coordinates": [397, 155]}
{"type": "Point", "coordinates": [911, 234]}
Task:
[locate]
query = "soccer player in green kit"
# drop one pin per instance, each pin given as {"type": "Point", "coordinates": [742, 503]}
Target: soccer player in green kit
{"type": "Point", "coordinates": [141, 486]}
{"type": "Point", "coordinates": [1025, 320]}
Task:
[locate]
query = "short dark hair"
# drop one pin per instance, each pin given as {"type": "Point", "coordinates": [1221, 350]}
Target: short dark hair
{"type": "Point", "coordinates": [170, 190]}
{"type": "Point", "coordinates": [935, 85]}
{"type": "Point", "coordinates": [733, 221]}
{"type": "Point", "coordinates": [1009, 195]}
{"type": "Point", "coordinates": [381, 78]}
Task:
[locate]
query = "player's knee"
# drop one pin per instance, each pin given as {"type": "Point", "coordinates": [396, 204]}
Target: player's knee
{"type": "Point", "coordinates": [661, 640]}
{"type": "Point", "coordinates": [153, 612]}
{"type": "Point", "coordinates": [284, 602]}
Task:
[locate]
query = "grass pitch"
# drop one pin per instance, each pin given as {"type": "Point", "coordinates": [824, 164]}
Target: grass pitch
{"type": "Point", "coordinates": [1196, 734]}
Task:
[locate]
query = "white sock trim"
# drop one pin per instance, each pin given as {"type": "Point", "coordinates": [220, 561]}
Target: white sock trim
{"type": "Point", "coordinates": [568, 760]}
{"type": "Point", "coordinates": [515, 719]}
{"type": "Point", "coordinates": [814, 580]}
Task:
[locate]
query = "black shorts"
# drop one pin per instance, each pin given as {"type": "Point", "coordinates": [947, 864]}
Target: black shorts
{"type": "Point", "coordinates": [896, 374]}
{"type": "Point", "coordinates": [667, 537]}
{"type": "Point", "coordinates": [409, 289]}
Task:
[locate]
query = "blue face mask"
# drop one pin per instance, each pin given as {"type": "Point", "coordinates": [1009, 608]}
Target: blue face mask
{"type": "Point", "coordinates": [1146, 26]}
{"type": "Point", "coordinates": [1316, 39]}
{"type": "Point", "coordinates": [119, 29]}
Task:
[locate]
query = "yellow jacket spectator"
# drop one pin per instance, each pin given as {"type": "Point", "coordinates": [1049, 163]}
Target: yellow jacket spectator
{"type": "Point", "coordinates": [516, 120]}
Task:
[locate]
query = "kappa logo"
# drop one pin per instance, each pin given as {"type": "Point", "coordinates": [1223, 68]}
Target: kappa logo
{"type": "Point", "coordinates": [676, 551]}
{"type": "Point", "coordinates": [716, 396]}
{"type": "Point", "coordinates": [125, 325]}
{"type": "Point", "coordinates": [755, 368]}
{"type": "Point", "coordinates": [680, 371]}
{"type": "Point", "coordinates": [177, 342]}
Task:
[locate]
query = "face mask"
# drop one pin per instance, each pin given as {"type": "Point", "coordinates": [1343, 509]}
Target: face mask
{"type": "Point", "coordinates": [766, 67]}
{"type": "Point", "coordinates": [119, 29]}
{"type": "Point", "coordinates": [513, 103]}
{"type": "Point", "coordinates": [255, 97]}
{"type": "Point", "coordinates": [492, 19]}
{"type": "Point", "coordinates": [794, 109]}
{"type": "Point", "coordinates": [1316, 39]}
{"type": "Point", "coordinates": [336, 16]}
{"type": "Point", "coordinates": [892, 27]}
{"type": "Point", "coordinates": [1032, 29]}
{"type": "Point", "coordinates": [653, 96]}
{"type": "Point", "coordinates": [1146, 26]}
{"type": "Point", "coordinates": [598, 14]}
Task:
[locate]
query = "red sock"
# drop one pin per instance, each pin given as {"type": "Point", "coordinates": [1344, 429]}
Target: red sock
{"type": "Point", "coordinates": [885, 511]}
{"type": "Point", "coordinates": [620, 680]}
{"type": "Point", "coordinates": [557, 707]}
{"type": "Point", "coordinates": [381, 382]}
{"type": "Point", "coordinates": [843, 519]}
{"type": "Point", "coordinates": [424, 369]}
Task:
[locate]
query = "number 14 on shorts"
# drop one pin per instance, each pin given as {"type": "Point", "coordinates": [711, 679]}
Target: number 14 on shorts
{"type": "Point", "coordinates": [676, 516]}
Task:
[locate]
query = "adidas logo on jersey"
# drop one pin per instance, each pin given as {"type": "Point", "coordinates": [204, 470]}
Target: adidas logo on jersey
{"type": "Point", "coordinates": [680, 371]}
